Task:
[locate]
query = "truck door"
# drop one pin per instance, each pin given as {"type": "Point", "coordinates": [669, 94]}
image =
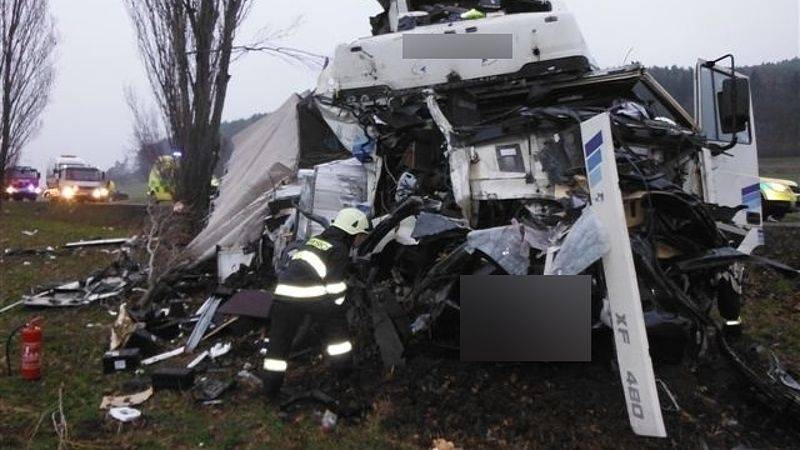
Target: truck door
{"type": "Point", "coordinates": [723, 108]}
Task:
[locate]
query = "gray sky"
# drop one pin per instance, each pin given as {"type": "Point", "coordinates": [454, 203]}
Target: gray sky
{"type": "Point", "coordinates": [88, 116]}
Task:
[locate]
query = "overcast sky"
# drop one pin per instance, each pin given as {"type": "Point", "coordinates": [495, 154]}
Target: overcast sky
{"type": "Point", "coordinates": [97, 55]}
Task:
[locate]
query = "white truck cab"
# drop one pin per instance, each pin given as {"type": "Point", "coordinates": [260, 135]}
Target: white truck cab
{"type": "Point", "coordinates": [70, 178]}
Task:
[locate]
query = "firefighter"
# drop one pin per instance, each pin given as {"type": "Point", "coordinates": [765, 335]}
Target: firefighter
{"type": "Point", "coordinates": [313, 284]}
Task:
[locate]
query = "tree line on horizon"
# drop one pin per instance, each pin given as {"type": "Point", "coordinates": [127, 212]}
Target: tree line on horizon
{"type": "Point", "coordinates": [776, 99]}
{"type": "Point", "coordinates": [775, 88]}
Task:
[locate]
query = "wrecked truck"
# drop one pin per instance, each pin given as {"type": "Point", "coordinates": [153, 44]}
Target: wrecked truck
{"type": "Point", "coordinates": [516, 156]}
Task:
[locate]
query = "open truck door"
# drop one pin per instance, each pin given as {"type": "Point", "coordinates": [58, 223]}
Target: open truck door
{"type": "Point", "coordinates": [724, 113]}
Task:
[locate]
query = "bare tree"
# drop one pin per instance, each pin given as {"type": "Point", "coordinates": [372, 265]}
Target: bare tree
{"type": "Point", "coordinates": [187, 48]}
{"type": "Point", "coordinates": [148, 137]}
{"type": "Point", "coordinates": [27, 71]}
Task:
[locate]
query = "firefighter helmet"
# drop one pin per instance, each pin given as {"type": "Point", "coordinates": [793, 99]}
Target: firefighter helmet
{"type": "Point", "coordinates": [352, 221]}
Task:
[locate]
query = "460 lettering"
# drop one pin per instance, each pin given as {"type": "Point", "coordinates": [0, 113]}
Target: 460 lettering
{"type": "Point", "coordinates": [634, 397]}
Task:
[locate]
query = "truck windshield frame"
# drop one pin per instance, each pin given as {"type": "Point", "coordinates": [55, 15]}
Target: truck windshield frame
{"type": "Point", "coordinates": [23, 173]}
{"type": "Point", "coordinates": [82, 174]}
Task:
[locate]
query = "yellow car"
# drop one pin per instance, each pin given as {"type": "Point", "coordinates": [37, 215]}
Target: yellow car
{"type": "Point", "coordinates": [778, 197]}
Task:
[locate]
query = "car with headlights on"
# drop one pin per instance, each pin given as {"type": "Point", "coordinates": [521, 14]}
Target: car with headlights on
{"type": "Point", "coordinates": [778, 197]}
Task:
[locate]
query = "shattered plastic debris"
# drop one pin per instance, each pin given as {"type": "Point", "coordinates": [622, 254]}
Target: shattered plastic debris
{"type": "Point", "coordinates": [162, 357]}
{"type": "Point", "coordinates": [219, 349]}
{"type": "Point", "coordinates": [406, 186]}
{"type": "Point", "coordinates": [122, 329]}
{"type": "Point", "coordinates": [208, 389]}
{"type": "Point", "coordinates": [125, 414]}
{"type": "Point", "coordinates": [585, 244]}
{"type": "Point", "coordinates": [778, 371]}
{"type": "Point", "coordinates": [118, 401]}
{"type": "Point", "coordinates": [329, 419]}
{"type": "Point", "coordinates": [30, 233]}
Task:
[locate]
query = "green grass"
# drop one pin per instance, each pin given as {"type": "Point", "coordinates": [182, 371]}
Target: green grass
{"type": "Point", "coordinates": [73, 352]}
{"type": "Point", "coordinates": [783, 168]}
{"type": "Point", "coordinates": [137, 192]}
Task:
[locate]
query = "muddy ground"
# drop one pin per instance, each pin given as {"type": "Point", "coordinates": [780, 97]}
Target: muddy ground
{"type": "Point", "coordinates": [539, 405]}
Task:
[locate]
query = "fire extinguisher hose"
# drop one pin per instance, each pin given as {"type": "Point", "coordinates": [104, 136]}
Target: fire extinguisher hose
{"type": "Point", "coordinates": [8, 346]}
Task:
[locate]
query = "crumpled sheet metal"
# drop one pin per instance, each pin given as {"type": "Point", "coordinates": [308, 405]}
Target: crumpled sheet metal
{"type": "Point", "coordinates": [586, 243]}
{"type": "Point", "coordinates": [506, 246]}
{"type": "Point", "coordinates": [430, 224]}
{"type": "Point", "coordinates": [72, 294]}
{"type": "Point", "coordinates": [457, 158]}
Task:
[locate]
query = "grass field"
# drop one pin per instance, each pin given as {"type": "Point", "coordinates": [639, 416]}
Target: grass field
{"type": "Point", "coordinates": [75, 340]}
{"type": "Point", "coordinates": [784, 168]}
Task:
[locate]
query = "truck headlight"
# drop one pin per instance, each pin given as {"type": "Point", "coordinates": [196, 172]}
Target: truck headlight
{"type": "Point", "coordinates": [68, 192]}
{"type": "Point", "coordinates": [11, 190]}
{"type": "Point", "coordinates": [100, 193]}
{"type": "Point", "coordinates": [32, 188]}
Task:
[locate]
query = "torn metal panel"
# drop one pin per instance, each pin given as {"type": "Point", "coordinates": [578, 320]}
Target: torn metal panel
{"type": "Point", "coordinates": [503, 245]}
{"type": "Point", "coordinates": [586, 243]}
{"type": "Point", "coordinates": [203, 323]}
{"type": "Point", "coordinates": [99, 242]}
{"type": "Point", "coordinates": [431, 224]}
{"type": "Point", "coordinates": [509, 169]}
{"type": "Point", "coordinates": [457, 158]}
{"type": "Point", "coordinates": [230, 260]}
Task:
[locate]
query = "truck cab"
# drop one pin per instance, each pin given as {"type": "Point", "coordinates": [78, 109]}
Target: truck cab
{"type": "Point", "coordinates": [72, 179]}
{"type": "Point", "coordinates": [541, 65]}
{"type": "Point", "coordinates": [22, 183]}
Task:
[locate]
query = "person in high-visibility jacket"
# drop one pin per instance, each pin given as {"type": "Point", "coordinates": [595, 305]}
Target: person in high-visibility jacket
{"type": "Point", "coordinates": [314, 284]}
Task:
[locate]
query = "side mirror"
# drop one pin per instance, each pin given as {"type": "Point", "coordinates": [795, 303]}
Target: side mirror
{"type": "Point", "coordinates": [734, 105]}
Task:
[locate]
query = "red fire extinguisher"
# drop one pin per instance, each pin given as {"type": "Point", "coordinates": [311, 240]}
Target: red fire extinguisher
{"type": "Point", "coordinates": [31, 349]}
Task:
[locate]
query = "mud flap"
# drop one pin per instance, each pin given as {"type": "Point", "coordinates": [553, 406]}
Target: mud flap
{"type": "Point", "coordinates": [630, 337]}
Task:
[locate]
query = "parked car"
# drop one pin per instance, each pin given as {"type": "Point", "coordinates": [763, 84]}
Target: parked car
{"type": "Point", "coordinates": [778, 197]}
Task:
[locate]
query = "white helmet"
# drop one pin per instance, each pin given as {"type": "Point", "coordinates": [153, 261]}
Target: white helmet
{"type": "Point", "coordinates": [352, 221]}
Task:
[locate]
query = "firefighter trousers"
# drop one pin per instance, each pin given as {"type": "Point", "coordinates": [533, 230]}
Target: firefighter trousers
{"type": "Point", "coordinates": [286, 316]}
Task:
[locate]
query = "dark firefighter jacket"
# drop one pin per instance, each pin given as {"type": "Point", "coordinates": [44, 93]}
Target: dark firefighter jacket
{"type": "Point", "coordinates": [317, 270]}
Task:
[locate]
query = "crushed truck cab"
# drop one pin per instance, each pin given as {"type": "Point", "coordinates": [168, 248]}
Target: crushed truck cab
{"type": "Point", "coordinates": [531, 161]}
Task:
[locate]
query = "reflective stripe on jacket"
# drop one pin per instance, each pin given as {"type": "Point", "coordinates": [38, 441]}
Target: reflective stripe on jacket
{"type": "Point", "coordinates": [316, 271]}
